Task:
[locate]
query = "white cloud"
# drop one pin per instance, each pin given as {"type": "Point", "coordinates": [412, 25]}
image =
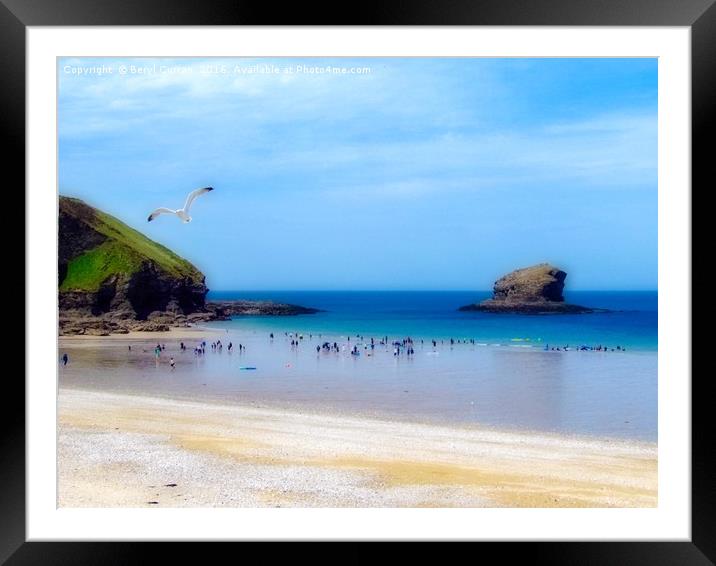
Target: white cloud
{"type": "Point", "coordinates": [408, 133]}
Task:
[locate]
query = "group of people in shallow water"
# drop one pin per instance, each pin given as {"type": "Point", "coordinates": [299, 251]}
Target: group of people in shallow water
{"type": "Point", "coordinates": [199, 349]}
{"type": "Point", "coordinates": [404, 346]}
{"type": "Point", "coordinates": [217, 346]}
{"type": "Point", "coordinates": [399, 347]}
{"type": "Point", "coordinates": [584, 348]}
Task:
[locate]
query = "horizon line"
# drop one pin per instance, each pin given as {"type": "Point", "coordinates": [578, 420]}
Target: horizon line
{"type": "Point", "coordinates": [418, 290]}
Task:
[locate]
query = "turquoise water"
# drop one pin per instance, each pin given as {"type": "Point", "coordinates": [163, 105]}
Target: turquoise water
{"type": "Point", "coordinates": [631, 324]}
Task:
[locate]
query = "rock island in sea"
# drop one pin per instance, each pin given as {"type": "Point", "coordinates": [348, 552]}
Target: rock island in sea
{"type": "Point", "coordinates": [530, 290]}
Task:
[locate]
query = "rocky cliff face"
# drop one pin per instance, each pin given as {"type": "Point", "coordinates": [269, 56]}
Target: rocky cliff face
{"type": "Point", "coordinates": [109, 273]}
{"type": "Point", "coordinates": [531, 290]}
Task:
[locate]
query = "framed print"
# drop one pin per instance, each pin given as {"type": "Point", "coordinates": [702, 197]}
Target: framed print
{"type": "Point", "coordinates": [429, 280]}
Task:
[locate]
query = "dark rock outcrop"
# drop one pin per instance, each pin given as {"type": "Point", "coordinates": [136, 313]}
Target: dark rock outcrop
{"type": "Point", "coordinates": [531, 290]}
{"type": "Point", "coordinates": [223, 310]}
{"type": "Point", "coordinates": [121, 322]}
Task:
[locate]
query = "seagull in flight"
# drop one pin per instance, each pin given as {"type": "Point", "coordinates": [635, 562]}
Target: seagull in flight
{"type": "Point", "coordinates": [182, 213]}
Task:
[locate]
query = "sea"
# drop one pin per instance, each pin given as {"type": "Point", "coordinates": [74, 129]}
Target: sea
{"type": "Point", "coordinates": [630, 323]}
{"type": "Point", "coordinates": [541, 373]}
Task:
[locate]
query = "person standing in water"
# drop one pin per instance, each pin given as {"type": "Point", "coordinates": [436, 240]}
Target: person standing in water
{"type": "Point", "coordinates": [65, 359]}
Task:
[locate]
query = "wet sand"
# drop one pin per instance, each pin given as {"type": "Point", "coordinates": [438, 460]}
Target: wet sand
{"type": "Point", "coordinates": [519, 389]}
{"type": "Point", "coordinates": [174, 333]}
{"type": "Point", "coordinates": [117, 450]}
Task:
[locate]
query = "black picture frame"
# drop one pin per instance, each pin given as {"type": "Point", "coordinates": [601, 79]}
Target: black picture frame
{"type": "Point", "coordinates": [699, 15]}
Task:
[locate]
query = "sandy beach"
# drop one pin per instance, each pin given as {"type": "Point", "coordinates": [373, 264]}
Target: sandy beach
{"type": "Point", "coordinates": [117, 450]}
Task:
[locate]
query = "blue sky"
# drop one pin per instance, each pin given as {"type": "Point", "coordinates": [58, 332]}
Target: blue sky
{"type": "Point", "coordinates": [412, 174]}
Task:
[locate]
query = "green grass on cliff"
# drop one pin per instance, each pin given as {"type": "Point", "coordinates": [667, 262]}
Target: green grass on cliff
{"type": "Point", "coordinates": [124, 251]}
{"type": "Point", "coordinates": [87, 271]}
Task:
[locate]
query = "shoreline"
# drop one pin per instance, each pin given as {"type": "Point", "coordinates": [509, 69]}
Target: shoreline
{"type": "Point", "coordinates": [174, 333]}
{"type": "Point", "coordinates": [126, 450]}
{"type": "Point", "coordinates": [182, 332]}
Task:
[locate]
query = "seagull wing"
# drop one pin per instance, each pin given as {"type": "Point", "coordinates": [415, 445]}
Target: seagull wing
{"type": "Point", "coordinates": [159, 211]}
{"type": "Point", "coordinates": [193, 195]}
